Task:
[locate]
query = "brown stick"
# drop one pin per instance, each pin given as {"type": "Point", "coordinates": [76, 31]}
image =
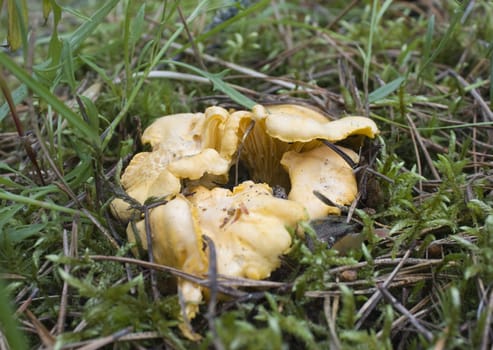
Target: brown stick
{"type": "Point", "coordinates": [30, 152]}
{"type": "Point", "coordinates": [402, 309]}
{"type": "Point", "coordinates": [370, 303]}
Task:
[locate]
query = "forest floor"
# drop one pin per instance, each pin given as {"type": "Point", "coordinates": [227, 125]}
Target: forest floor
{"type": "Point", "coordinates": [81, 82]}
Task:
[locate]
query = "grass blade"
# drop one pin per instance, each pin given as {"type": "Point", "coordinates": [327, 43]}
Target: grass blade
{"type": "Point", "coordinates": [89, 26]}
{"type": "Point", "coordinates": [48, 97]}
{"type": "Point", "coordinates": [9, 326]}
{"type": "Point", "coordinates": [375, 18]}
{"type": "Point", "coordinates": [75, 40]}
{"type": "Point", "coordinates": [108, 133]}
{"type": "Point", "coordinates": [445, 39]}
{"type": "Point", "coordinates": [429, 38]}
{"type": "Point", "coordinates": [219, 84]}
{"type": "Point", "coordinates": [491, 79]}
{"type": "Point", "coordinates": [385, 90]}
{"type": "Point", "coordinates": [17, 19]}
{"type": "Point", "coordinates": [6, 195]}
{"type": "Point", "coordinates": [68, 65]}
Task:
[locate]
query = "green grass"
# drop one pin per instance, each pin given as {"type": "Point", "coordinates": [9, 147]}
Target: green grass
{"type": "Point", "coordinates": [84, 85]}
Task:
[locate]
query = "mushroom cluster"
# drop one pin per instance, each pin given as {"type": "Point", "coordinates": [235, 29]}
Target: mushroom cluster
{"type": "Point", "coordinates": [192, 156]}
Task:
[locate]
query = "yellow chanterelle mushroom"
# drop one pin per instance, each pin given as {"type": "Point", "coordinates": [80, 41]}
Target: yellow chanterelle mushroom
{"type": "Point", "coordinates": [291, 136]}
{"type": "Point", "coordinates": [192, 156]}
{"type": "Point", "coordinates": [247, 225]}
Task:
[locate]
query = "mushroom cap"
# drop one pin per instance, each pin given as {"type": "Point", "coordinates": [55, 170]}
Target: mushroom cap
{"type": "Point", "coordinates": [184, 146]}
{"type": "Point", "coordinates": [295, 123]}
{"type": "Point", "coordinates": [283, 128]}
{"type": "Point", "coordinates": [170, 137]}
{"type": "Point", "coordinates": [322, 170]}
{"type": "Point", "coordinates": [146, 176]}
{"type": "Point", "coordinates": [178, 134]}
{"type": "Point", "coordinates": [291, 109]}
{"type": "Point", "coordinates": [176, 242]}
{"type": "Point", "coordinates": [247, 226]}
{"type": "Point", "coordinates": [305, 128]}
{"type": "Point", "coordinates": [176, 236]}
{"type": "Point", "coordinates": [194, 167]}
